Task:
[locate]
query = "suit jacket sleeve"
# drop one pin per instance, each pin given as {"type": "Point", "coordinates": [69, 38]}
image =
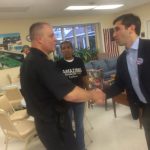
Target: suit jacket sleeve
{"type": "Point", "coordinates": [118, 85]}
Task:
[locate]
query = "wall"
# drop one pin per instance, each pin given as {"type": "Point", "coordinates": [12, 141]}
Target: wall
{"type": "Point", "coordinates": [23, 25]}
{"type": "Point", "coordinates": [142, 12]}
{"type": "Point", "coordinates": [105, 21]}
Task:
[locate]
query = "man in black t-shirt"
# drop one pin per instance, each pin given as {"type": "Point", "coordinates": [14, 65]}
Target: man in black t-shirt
{"type": "Point", "coordinates": [74, 69]}
{"type": "Point", "coordinates": [44, 86]}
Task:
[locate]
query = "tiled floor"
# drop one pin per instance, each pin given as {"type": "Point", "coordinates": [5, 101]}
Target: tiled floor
{"type": "Point", "coordinates": [109, 133]}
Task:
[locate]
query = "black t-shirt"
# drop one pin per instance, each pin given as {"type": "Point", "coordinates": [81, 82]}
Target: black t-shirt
{"type": "Point", "coordinates": [43, 85]}
{"type": "Point", "coordinates": [74, 70]}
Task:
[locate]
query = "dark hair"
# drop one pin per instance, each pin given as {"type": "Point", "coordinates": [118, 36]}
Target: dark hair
{"type": "Point", "coordinates": [25, 46]}
{"type": "Point", "coordinates": [35, 29]}
{"type": "Point", "coordinates": [66, 42]}
{"type": "Point", "coordinates": [128, 20]}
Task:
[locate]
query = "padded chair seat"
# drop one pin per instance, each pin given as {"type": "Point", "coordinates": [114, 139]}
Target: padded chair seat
{"type": "Point", "coordinates": [20, 129]}
{"type": "Point", "coordinates": [15, 103]}
{"type": "Point", "coordinates": [20, 114]}
{"type": "Point", "coordinates": [24, 127]}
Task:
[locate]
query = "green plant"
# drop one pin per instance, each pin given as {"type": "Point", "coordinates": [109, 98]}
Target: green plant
{"type": "Point", "coordinates": [57, 57]}
{"type": "Point", "coordinates": [86, 54]}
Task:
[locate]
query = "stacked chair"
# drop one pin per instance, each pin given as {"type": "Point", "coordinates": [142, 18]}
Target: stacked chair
{"type": "Point", "coordinates": [7, 106]}
{"type": "Point", "coordinates": [21, 129]}
{"type": "Point", "coordinates": [88, 126]}
{"type": "Point", "coordinates": [14, 96]}
{"type": "Point", "coordinates": [14, 120]}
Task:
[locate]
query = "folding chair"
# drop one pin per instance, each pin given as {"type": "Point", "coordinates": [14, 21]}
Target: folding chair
{"type": "Point", "coordinates": [14, 96]}
{"type": "Point", "coordinates": [87, 122]}
{"type": "Point", "coordinates": [14, 115]}
{"type": "Point", "coordinates": [22, 130]}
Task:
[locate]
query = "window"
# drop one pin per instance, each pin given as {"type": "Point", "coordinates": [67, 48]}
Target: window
{"type": "Point", "coordinates": [82, 36]}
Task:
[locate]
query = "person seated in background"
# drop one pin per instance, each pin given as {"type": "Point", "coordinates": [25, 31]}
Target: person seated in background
{"type": "Point", "coordinates": [74, 69]}
{"type": "Point", "coordinates": [25, 50]}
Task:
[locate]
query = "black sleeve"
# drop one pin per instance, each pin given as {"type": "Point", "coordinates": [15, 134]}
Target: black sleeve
{"type": "Point", "coordinates": [54, 80]}
{"type": "Point", "coordinates": [118, 86]}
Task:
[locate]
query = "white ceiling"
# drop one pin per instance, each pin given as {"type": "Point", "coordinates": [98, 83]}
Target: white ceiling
{"type": "Point", "coordinates": [15, 9]}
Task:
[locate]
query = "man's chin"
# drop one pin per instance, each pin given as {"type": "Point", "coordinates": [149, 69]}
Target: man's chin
{"type": "Point", "coordinates": [51, 51]}
{"type": "Point", "coordinates": [119, 43]}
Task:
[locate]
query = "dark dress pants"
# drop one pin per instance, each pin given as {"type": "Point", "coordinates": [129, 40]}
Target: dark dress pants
{"type": "Point", "coordinates": [55, 136]}
{"type": "Point", "coordinates": [146, 123]}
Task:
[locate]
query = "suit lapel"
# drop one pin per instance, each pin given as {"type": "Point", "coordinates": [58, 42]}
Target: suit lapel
{"type": "Point", "coordinates": [140, 56]}
{"type": "Point", "coordinates": [125, 62]}
{"type": "Point", "coordinates": [125, 67]}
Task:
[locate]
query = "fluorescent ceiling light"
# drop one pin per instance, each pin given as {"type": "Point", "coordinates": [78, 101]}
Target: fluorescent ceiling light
{"type": "Point", "coordinates": [108, 6]}
{"type": "Point", "coordinates": [94, 7]}
{"type": "Point", "coordinates": [79, 7]}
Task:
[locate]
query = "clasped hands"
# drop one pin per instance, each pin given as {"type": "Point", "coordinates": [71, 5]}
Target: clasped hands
{"type": "Point", "coordinates": [98, 96]}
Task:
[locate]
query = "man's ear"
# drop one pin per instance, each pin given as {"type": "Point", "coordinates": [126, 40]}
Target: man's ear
{"type": "Point", "coordinates": [132, 27]}
{"type": "Point", "coordinates": [39, 39]}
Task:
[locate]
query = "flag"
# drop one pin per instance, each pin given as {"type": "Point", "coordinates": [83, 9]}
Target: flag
{"type": "Point", "coordinates": [111, 47]}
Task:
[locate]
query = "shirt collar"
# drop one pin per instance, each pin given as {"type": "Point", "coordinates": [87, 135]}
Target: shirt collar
{"type": "Point", "coordinates": [135, 45]}
{"type": "Point", "coordinates": [69, 60]}
{"type": "Point", "coordinates": [39, 53]}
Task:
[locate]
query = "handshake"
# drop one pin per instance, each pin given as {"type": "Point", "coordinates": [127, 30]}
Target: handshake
{"type": "Point", "coordinates": [80, 95]}
{"type": "Point", "coordinates": [97, 96]}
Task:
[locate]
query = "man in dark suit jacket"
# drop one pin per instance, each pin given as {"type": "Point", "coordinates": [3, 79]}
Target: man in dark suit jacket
{"type": "Point", "coordinates": [133, 73]}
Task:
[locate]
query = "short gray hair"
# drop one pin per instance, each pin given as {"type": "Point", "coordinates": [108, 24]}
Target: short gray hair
{"type": "Point", "coordinates": [35, 28]}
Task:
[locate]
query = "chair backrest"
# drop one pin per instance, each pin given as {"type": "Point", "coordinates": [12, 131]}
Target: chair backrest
{"type": "Point", "coordinates": [7, 125]}
{"type": "Point", "coordinates": [9, 79]}
{"type": "Point", "coordinates": [13, 93]}
{"type": "Point", "coordinates": [5, 105]}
